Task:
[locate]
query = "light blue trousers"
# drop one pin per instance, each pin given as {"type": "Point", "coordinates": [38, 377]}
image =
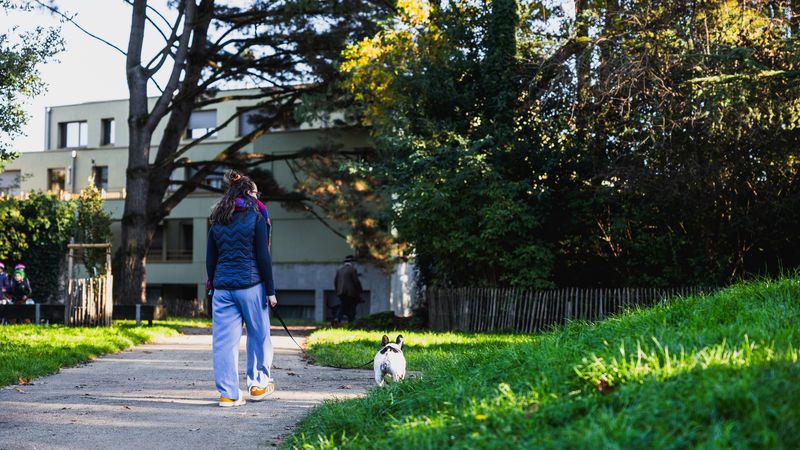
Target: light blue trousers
{"type": "Point", "coordinates": [229, 309]}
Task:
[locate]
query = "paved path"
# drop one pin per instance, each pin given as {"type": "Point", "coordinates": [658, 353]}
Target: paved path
{"type": "Point", "coordinates": [162, 395]}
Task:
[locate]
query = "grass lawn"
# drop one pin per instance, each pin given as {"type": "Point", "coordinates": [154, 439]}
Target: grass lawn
{"type": "Point", "coordinates": [713, 372]}
{"type": "Point", "coordinates": [29, 351]}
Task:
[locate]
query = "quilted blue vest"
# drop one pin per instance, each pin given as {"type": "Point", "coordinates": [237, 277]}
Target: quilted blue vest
{"type": "Point", "coordinates": [236, 264]}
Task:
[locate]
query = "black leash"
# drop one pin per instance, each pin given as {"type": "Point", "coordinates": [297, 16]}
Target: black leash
{"type": "Point", "coordinates": [285, 328]}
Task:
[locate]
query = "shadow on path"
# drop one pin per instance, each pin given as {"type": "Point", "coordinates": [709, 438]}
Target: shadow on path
{"type": "Point", "coordinates": [162, 395]}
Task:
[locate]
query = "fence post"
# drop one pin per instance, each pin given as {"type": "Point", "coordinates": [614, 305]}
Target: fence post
{"type": "Point", "coordinates": [38, 316]}
{"type": "Point", "coordinates": [138, 314]}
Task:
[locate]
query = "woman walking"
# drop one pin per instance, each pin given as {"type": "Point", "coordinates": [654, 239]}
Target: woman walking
{"type": "Point", "coordinates": [240, 272]}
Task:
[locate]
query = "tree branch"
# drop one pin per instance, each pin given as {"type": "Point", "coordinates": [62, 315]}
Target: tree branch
{"type": "Point", "coordinates": [255, 133]}
{"type": "Point", "coordinates": [167, 50]}
{"type": "Point", "coordinates": [160, 108]}
{"type": "Point", "coordinates": [84, 30]}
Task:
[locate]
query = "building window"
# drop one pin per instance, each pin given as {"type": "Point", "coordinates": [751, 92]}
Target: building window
{"type": "Point", "coordinates": [9, 182]}
{"type": "Point", "coordinates": [108, 133]}
{"type": "Point", "coordinates": [56, 179]}
{"type": "Point", "coordinates": [72, 134]}
{"type": "Point", "coordinates": [200, 123]}
{"type": "Point", "coordinates": [100, 175]}
{"type": "Point", "coordinates": [172, 241]}
{"type": "Point", "coordinates": [250, 120]}
{"type": "Point", "coordinates": [214, 179]}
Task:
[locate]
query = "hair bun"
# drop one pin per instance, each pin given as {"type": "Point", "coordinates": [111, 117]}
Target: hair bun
{"type": "Point", "coordinates": [234, 176]}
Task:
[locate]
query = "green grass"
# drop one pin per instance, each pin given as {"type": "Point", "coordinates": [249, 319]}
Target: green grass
{"type": "Point", "coordinates": [705, 372]}
{"type": "Point", "coordinates": [176, 321]}
{"type": "Point", "coordinates": [29, 351]}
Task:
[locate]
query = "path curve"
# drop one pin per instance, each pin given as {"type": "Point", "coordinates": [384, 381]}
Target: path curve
{"type": "Point", "coordinates": [162, 395]}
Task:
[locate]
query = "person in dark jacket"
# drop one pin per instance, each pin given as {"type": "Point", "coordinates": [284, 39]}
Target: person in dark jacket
{"type": "Point", "coordinates": [348, 289]}
{"type": "Point", "coordinates": [240, 272]}
{"type": "Point", "coordinates": [5, 282]}
{"type": "Point", "coordinates": [20, 290]}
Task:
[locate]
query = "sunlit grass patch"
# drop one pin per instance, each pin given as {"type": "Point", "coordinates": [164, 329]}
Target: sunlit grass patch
{"type": "Point", "coordinates": [717, 372]}
{"type": "Point", "coordinates": [29, 351]}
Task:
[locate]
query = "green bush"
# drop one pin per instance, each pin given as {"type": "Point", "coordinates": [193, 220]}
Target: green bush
{"type": "Point", "coordinates": [37, 229]}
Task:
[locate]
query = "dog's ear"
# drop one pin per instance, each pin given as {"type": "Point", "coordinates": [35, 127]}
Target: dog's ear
{"type": "Point", "coordinates": [399, 340]}
{"type": "Point", "coordinates": [384, 341]}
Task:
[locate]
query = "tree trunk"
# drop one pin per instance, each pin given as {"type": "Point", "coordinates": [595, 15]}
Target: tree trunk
{"type": "Point", "coordinates": [131, 277]}
{"type": "Point", "coordinates": [582, 62]}
{"type": "Point", "coordinates": [146, 184]}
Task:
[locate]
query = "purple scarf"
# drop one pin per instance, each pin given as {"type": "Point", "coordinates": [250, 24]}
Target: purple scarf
{"type": "Point", "coordinates": [242, 204]}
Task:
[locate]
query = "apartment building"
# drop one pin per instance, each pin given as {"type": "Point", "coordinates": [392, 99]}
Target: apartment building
{"type": "Point", "coordinates": [88, 143]}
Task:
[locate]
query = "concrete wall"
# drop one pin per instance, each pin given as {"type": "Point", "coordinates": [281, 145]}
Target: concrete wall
{"type": "Point", "coordinates": [319, 277]}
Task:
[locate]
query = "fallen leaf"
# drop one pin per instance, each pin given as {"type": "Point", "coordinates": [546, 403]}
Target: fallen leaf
{"type": "Point", "coordinates": [126, 407]}
{"type": "Point", "coordinates": [21, 380]}
{"type": "Point", "coordinates": [345, 386]}
{"type": "Point", "coordinates": [292, 374]}
{"type": "Point", "coordinates": [19, 390]}
{"type": "Point", "coordinates": [604, 387]}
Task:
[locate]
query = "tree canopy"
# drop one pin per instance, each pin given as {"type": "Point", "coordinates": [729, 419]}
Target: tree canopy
{"type": "Point", "coordinates": [589, 143]}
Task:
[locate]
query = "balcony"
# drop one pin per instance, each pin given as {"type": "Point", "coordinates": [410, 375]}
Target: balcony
{"type": "Point", "coordinates": [105, 195]}
{"type": "Point", "coordinates": [160, 255]}
{"type": "Point", "coordinates": [172, 242]}
{"type": "Point", "coordinates": [64, 195]}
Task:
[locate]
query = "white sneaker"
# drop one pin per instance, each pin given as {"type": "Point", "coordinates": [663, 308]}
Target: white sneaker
{"type": "Point", "coordinates": [227, 402]}
{"type": "Point", "coordinates": [257, 393]}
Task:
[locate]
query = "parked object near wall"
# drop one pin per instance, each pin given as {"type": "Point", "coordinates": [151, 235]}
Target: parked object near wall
{"type": "Point", "coordinates": [521, 311]}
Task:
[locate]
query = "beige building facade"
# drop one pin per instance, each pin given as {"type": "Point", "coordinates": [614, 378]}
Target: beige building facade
{"type": "Point", "coordinates": [88, 143]}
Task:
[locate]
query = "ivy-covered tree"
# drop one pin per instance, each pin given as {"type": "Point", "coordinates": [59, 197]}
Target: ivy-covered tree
{"type": "Point", "coordinates": [36, 232]}
{"type": "Point", "coordinates": [93, 226]}
{"type": "Point", "coordinates": [444, 141]}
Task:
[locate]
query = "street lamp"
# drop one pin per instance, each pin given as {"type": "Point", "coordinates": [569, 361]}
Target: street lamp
{"type": "Point", "coordinates": [72, 171]}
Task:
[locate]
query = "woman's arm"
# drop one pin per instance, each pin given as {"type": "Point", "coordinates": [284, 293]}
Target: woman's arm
{"type": "Point", "coordinates": [263, 258]}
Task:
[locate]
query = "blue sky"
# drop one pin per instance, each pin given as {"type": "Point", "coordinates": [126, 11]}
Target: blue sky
{"type": "Point", "coordinates": [87, 70]}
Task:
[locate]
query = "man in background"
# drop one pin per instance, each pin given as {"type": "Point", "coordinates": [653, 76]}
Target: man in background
{"type": "Point", "coordinates": [348, 289]}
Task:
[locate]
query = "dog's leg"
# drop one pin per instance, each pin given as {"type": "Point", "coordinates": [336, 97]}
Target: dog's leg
{"type": "Point", "coordinates": [379, 379]}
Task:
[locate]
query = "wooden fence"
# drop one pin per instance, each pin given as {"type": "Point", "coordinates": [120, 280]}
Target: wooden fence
{"type": "Point", "coordinates": [521, 311]}
{"type": "Point", "coordinates": [89, 301]}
